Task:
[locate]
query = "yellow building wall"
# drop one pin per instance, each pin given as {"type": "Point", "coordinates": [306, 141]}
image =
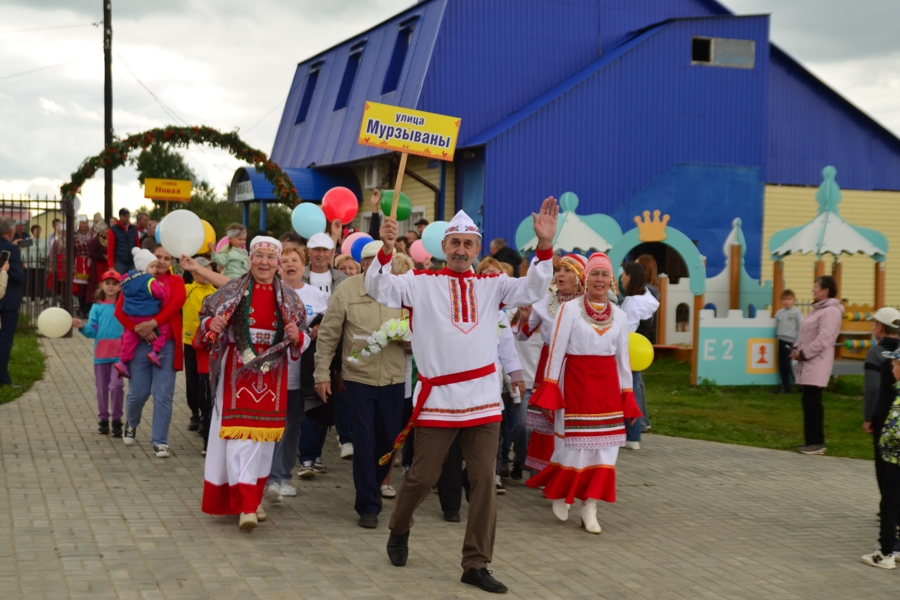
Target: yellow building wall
{"type": "Point", "coordinates": [419, 194]}
{"type": "Point", "coordinates": [789, 206]}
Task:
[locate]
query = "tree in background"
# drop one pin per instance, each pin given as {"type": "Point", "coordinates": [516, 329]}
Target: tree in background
{"type": "Point", "coordinates": [160, 161]}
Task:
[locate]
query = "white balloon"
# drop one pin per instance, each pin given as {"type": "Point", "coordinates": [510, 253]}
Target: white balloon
{"type": "Point", "coordinates": [183, 233]}
{"type": "Point", "coordinates": [54, 322]}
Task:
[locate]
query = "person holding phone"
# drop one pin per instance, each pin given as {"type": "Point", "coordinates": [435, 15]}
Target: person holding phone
{"type": "Point", "coordinates": [12, 298]}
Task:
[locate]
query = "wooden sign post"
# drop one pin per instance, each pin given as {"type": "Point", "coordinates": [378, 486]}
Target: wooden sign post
{"type": "Point", "coordinates": [408, 131]}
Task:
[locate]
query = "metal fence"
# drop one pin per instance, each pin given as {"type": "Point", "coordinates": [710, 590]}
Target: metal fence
{"type": "Point", "coordinates": [45, 229]}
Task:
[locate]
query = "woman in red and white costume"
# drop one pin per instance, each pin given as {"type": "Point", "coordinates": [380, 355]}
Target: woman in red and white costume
{"type": "Point", "coordinates": [569, 280]}
{"type": "Point", "coordinates": [587, 394]}
{"type": "Point", "coordinates": [253, 323]}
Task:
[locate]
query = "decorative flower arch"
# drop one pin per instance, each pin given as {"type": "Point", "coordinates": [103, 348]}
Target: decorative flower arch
{"type": "Point", "coordinates": [117, 153]}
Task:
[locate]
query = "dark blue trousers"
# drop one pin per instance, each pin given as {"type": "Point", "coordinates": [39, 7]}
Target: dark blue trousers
{"type": "Point", "coordinates": [377, 414]}
{"type": "Point", "coordinates": [9, 321]}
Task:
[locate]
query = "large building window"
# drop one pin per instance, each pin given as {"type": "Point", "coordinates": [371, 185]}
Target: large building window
{"type": "Point", "coordinates": [349, 76]}
{"type": "Point", "coordinates": [398, 57]}
{"type": "Point", "coordinates": [311, 82]}
{"type": "Point", "coordinates": [723, 52]}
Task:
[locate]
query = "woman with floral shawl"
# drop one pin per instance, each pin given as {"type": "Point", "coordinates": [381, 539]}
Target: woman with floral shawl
{"type": "Point", "coordinates": [252, 323]}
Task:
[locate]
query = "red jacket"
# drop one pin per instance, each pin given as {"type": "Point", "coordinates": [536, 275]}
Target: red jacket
{"type": "Point", "coordinates": [170, 313]}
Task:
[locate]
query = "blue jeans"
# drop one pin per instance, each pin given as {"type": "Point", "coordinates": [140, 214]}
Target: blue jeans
{"type": "Point", "coordinates": [312, 440]}
{"type": "Point", "coordinates": [519, 435]}
{"type": "Point", "coordinates": [377, 419]}
{"type": "Point", "coordinates": [633, 432]}
{"type": "Point", "coordinates": [285, 456]}
{"type": "Point", "coordinates": [147, 378]}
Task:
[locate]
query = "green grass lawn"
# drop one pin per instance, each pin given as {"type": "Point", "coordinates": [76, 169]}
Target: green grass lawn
{"type": "Point", "coordinates": [26, 364]}
{"type": "Point", "coordinates": [752, 415]}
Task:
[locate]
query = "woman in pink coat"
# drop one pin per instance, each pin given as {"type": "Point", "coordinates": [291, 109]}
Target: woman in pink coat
{"type": "Point", "coordinates": [815, 355]}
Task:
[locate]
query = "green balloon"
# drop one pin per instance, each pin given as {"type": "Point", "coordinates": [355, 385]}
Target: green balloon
{"type": "Point", "coordinates": [404, 205]}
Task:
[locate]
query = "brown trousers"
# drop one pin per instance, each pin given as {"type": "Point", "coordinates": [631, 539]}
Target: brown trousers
{"type": "Point", "coordinates": [479, 450]}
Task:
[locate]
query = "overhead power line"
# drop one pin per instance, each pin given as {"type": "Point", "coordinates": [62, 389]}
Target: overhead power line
{"type": "Point", "coordinates": [252, 127]}
{"type": "Point", "coordinates": [48, 28]}
{"type": "Point", "coordinates": [42, 68]}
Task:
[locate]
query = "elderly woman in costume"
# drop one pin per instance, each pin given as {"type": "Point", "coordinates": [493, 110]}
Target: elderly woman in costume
{"type": "Point", "coordinates": [587, 395]}
{"type": "Point", "coordinates": [253, 323]}
{"type": "Point", "coordinates": [569, 280]}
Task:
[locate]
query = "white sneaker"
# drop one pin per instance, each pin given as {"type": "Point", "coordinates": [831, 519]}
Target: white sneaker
{"type": "Point", "coordinates": [633, 445]}
{"type": "Point", "coordinates": [388, 491]}
{"type": "Point", "coordinates": [162, 450]}
{"type": "Point", "coordinates": [288, 490]}
{"type": "Point", "coordinates": [880, 560]}
{"type": "Point", "coordinates": [347, 450]}
{"type": "Point", "coordinates": [273, 493]}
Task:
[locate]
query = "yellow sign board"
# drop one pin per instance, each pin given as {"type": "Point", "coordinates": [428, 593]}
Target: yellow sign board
{"type": "Point", "coordinates": [172, 190]}
{"type": "Point", "coordinates": [407, 130]}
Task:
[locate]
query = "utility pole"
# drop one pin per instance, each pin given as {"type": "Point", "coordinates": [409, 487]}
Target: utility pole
{"type": "Point", "coordinates": [107, 105]}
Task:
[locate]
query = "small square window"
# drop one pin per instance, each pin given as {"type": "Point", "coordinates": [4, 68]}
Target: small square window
{"type": "Point", "coordinates": [701, 50]}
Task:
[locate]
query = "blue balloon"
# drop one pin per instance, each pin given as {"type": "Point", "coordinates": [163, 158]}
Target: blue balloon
{"type": "Point", "coordinates": [308, 219]}
{"type": "Point", "coordinates": [357, 247]}
{"type": "Point", "coordinates": [432, 238]}
{"type": "Point", "coordinates": [156, 233]}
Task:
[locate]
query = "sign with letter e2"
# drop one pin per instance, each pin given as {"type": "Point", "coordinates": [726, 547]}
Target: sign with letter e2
{"type": "Point", "coordinates": [737, 351]}
{"type": "Point", "coordinates": [407, 130]}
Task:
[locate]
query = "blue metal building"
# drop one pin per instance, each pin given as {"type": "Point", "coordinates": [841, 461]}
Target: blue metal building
{"type": "Point", "coordinates": [676, 105]}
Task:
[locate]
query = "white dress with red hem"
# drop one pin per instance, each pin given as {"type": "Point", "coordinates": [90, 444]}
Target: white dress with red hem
{"type": "Point", "coordinates": [588, 384]}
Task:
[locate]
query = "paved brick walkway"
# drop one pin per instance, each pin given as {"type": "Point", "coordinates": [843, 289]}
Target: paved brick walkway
{"type": "Point", "coordinates": [82, 516]}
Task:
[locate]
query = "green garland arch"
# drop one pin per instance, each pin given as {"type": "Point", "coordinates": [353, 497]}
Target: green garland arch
{"type": "Point", "coordinates": [117, 153]}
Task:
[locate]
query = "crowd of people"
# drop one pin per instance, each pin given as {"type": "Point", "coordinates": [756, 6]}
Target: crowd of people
{"type": "Point", "coordinates": [282, 339]}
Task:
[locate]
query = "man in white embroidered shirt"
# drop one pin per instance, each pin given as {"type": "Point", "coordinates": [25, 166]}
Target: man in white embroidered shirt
{"type": "Point", "coordinates": [454, 341]}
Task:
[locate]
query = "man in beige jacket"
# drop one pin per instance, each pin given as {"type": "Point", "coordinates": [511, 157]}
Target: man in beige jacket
{"type": "Point", "coordinates": [374, 384]}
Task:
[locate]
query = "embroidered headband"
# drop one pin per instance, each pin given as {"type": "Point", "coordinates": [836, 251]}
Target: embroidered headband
{"type": "Point", "coordinates": [233, 233]}
{"type": "Point", "coordinates": [599, 260]}
{"type": "Point", "coordinates": [264, 242]}
{"type": "Point", "coordinates": [462, 223]}
{"type": "Point", "coordinates": [574, 263]}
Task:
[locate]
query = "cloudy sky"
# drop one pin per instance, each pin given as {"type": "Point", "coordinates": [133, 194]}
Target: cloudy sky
{"type": "Point", "coordinates": [229, 64]}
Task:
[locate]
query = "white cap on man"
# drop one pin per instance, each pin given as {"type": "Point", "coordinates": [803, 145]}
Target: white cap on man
{"type": "Point", "coordinates": [321, 240]}
{"type": "Point", "coordinates": [371, 249]}
{"type": "Point", "coordinates": [462, 223]}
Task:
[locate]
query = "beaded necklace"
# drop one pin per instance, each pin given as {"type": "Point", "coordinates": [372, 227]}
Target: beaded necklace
{"type": "Point", "coordinates": [557, 299]}
{"type": "Point", "coordinates": [601, 320]}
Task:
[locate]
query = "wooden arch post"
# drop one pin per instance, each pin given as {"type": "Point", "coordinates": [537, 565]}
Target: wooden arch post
{"type": "Point", "coordinates": [695, 355]}
{"type": "Point", "coordinates": [777, 284]}
{"type": "Point", "coordinates": [879, 284]}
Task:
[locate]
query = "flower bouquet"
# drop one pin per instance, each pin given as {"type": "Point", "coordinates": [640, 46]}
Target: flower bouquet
{"type": "Point", "coordinates": [392, 330]}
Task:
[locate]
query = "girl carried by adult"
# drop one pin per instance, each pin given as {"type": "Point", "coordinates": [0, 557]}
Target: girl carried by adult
{"type": "Point", "coordinates": [253, 324]}
{"type": "Point", "coordinates": [814, 353]}
{"type": "Point", "coordinates": [640, 305]}
{"type": "Point", "coordinates": [569, 280]}
{"type": "Point", "coordinates": [233, 258]}
{"type": "Point", "coordinates": [587, 395]}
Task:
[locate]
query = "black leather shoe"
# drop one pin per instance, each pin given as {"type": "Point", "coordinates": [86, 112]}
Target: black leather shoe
{"type": "Point", "coordinates": [398, 548]}
{"type": "Point", "coordinates": [451, 516]}
{"type": "Point", "coordinates": [368, 520]}
{"type": "Point", "coordinates": [483, 579]}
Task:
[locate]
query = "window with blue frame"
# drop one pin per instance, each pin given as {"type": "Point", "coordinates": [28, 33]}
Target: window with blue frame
{"type": "Point", "coordinates": [349, 76]}
{"type": "Point", "coordinates": [311, 82]}
{"type": "Point", "coordinates": [398, 57]}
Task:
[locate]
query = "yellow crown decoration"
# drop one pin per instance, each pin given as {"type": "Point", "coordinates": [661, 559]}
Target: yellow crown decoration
{"type": "Point", "coordinates": [652, 230]}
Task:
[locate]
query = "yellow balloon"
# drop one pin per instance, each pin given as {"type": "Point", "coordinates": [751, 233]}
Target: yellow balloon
{"type": "Point", "coordinates": [641, 351]}
{"type": "Point", "coordinates": [54, 322]}
{"type": "Point", "coordinates": [209, 235]}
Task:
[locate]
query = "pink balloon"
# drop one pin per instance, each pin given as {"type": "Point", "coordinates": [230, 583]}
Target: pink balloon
{"type": "Point", "coordinates": [418, 253]}
{"type": "Point", "coordinates": [222, 244]}
{"type": "Point", "coordinates": [348, 241]}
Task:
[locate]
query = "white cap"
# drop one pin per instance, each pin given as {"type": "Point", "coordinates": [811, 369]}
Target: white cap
{"type": "Point", "coordinates": [462, 223]}
{"type": "Point", "coordinates": [371, 249]}
{"type": "Point", "coordinates": [321, 240]}
{"type": "Point", "coordinates": [887, 316]}
{"type": "Point", "coordinates": [143, 258]}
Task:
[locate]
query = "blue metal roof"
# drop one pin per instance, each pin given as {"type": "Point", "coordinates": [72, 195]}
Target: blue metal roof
{"type": "Point", "coordinates": [311, 184]}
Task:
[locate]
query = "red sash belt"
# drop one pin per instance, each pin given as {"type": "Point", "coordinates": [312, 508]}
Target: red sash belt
{"type": "Point", "coordinates": [427, 384]}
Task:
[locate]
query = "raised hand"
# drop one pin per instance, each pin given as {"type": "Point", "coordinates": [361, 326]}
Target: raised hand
{"type": "Point", "coordinates": [376, 201]}
{"type": "Point", "coordinates": [388, 234]}
{"type": "Point", "coordinates": [545, 223]}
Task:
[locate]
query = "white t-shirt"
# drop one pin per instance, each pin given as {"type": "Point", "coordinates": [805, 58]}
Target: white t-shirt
{"type": "Point", "coordinates": [315, 302]}
{"type": "Point", "coordinates": [322, 281]}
